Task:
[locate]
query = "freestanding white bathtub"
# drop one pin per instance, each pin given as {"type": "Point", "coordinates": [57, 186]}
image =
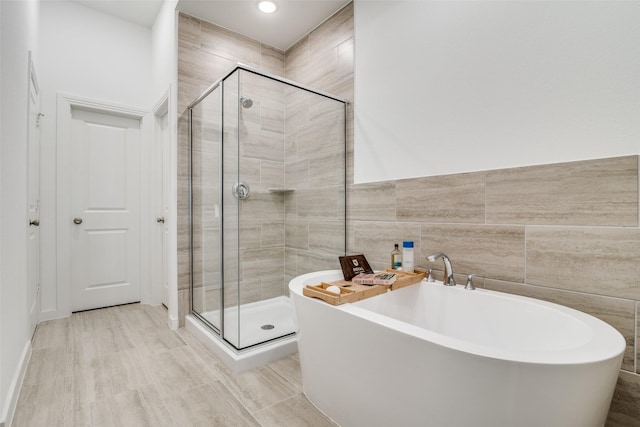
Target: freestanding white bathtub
{"type": "Point", "coordinates": [434, 355]}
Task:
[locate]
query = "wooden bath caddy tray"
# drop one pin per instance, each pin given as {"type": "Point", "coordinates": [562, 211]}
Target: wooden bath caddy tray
{"type": "Point", "coordinates": [404, 278]}
{"type": "Point", "coordinates": [352, 292]}
{"type": "Point", "coordinates": [349, 292]}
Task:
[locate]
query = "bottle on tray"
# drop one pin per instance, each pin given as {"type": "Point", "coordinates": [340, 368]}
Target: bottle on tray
{"type": "Point", "coordinates": [407, 256]}
{"type": "Point", "coordinates": [396, 258]}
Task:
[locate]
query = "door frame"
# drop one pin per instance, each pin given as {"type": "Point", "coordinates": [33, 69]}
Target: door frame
{"type": "Point", "coordinates": [65, 103]}
{"type": "Point", "coordinates": [157, 169]}
{"type": "Point", "coordinates": [34, 304]}
{"type": "Point", "coordinates": [168, 101]}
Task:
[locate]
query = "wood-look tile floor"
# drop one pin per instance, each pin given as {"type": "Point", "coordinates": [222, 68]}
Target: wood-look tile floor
{"type": "Point", "coordinates": [122, 366]}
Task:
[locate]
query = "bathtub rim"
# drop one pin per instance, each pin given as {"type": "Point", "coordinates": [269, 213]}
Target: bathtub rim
{"type": "Point", "coordinates": [606, 342]}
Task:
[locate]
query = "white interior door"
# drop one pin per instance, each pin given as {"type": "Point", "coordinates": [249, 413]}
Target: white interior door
{"type": "Point", "coordinates": [166, 156]}
{"type": "Point", "coordinates": [105, 194]}
{"type": "Point", "coordinates": [159, 258]}
{"type": "Point", "coordinates": [33, 234]}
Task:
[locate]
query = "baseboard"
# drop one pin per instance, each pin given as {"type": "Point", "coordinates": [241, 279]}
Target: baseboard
{"type": "Point", "coordinates": [173, 322]}
{"type": "Point", "coordinates": [43, 316]}
{"type": "Point", "coordinates": [9, 407]}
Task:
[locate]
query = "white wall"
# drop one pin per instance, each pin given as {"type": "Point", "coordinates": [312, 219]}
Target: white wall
{"type": "Point", "coordinates": [449, 87]}
{"type": "Point", "coordinates": [2, 320]}
{"type": "Point", "coordinates": [19, 33]}
{"type": "Point", "coordinates": [2, 373]}
{"type": "Point", "coordinates": [164, 48]}
{"type": "Point", "coordinates": [93, 55]}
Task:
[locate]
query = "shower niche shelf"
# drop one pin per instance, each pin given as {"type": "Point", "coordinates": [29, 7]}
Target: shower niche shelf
{"type": "Point", "coordinates": [280, 190]}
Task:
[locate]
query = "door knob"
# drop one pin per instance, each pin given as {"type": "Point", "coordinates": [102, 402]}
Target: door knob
{"type": "Point", "coordinates": [160, 220]}
{"type": "Point", "coordinates": [34, 222]}
{"type": "Point", "coordinates": [77, 221]}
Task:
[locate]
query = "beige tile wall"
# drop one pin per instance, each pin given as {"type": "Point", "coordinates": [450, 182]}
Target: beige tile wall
{"type": "Point", "coordinates": [314, 147]}
{"type": "Point", "coordinates": [314, 169]}
{"type": "Point", "coordinates": [324, 60]}
{"type": "Point", "coordinates": [566, 233]}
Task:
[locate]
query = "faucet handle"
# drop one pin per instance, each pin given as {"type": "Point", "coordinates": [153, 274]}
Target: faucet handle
{"type": "Point", "coordinates": [430, 276]}
{"type": "Point", "coordinates": [469, 285]}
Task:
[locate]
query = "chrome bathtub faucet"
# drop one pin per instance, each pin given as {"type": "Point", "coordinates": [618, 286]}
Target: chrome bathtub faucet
{"type": "Point", "coordinates": [470, 286]}
{"type": "Point", "coordinates": [448, 270]}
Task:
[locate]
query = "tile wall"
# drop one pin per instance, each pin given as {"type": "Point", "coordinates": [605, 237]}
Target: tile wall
{"type": "Point", "coordinates": [567, 233]}
{"type": "Point", "coordinates": [314, 172]}
{"type": "Point", "coordinates": [323, 59]}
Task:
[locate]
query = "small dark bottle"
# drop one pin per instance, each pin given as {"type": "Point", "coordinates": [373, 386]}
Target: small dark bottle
{"type": "Point", "coordinates": [396, 258]}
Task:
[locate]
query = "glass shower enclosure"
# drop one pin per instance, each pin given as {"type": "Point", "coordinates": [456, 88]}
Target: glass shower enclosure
{"type": "Point", "coordinates": [267, 184]}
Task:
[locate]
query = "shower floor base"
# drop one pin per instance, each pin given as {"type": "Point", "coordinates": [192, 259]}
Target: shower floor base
{"type": "Point", "coordinates": [259, 321]}
{"type": "Point", "coordinates": [276, 311]}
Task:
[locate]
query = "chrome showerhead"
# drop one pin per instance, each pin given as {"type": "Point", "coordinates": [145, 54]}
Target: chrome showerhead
{"type": "Point", "coordinates": [246, 102]}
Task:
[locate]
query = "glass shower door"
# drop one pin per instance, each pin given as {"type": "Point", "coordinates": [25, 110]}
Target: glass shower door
{"type": "Point", "coordinates": [256, 308]}
{"type": "Point", "coordinates": [205, 209]}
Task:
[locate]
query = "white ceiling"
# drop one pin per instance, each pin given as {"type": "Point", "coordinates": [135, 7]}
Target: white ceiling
{"type": "Point", "coordinates": [282, 29]}
{"type": "Point", "coordinates": [142, 12]}
{"type": "Point", "coordinates": [293, 20]}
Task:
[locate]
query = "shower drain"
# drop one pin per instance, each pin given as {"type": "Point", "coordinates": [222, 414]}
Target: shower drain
{"type": "Point", "coordinates": [267, 327]}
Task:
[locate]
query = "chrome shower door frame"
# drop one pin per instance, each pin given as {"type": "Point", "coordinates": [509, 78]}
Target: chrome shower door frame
{"type": "Point", "coordinates": [220, 84]}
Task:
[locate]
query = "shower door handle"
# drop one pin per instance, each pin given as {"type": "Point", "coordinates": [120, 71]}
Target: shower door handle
{"type": "Point", "coordinates": [240, 190]}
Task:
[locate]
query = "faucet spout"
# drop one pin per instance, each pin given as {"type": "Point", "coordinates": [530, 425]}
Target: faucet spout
{"type": "Point", "coordinates": [448, 269]}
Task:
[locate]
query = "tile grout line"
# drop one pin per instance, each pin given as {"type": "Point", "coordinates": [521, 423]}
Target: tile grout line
{"type": "Point", "coordinates": [485, 198]}
{"type": "Point", "coordinates": [526, 232]}
{"type": "Point", "coordinates": [275, 404]}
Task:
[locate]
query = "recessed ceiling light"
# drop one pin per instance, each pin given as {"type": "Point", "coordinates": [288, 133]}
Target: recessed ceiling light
{"type": "Point", "coordinates": [267, 6]}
